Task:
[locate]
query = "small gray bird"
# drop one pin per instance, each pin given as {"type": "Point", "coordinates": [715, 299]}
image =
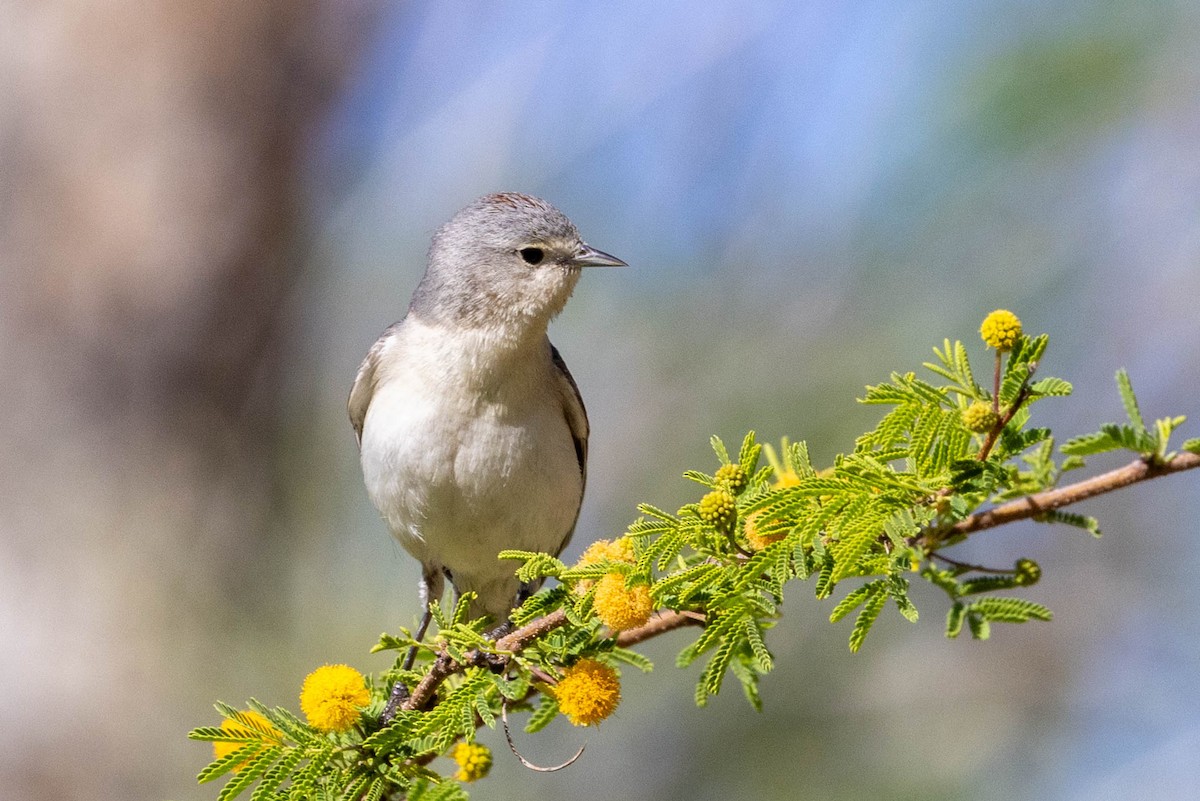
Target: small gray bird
{"type": "Point", "coordinates": [472, 433]}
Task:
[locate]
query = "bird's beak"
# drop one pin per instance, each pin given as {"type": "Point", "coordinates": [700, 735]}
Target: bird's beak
{"type": "Point", "coordinates": [588, 256]}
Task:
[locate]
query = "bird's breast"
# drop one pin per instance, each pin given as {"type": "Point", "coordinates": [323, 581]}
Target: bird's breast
{"type": "Point", "coordinates": [457, 470]}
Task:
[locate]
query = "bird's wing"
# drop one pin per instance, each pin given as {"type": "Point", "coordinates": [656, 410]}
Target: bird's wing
{"type": "Point", "coordinates": [364, 383]}
{"type": "Point", "coordinates": [574, 410]}
{"type": "Point", "coordinates": [577, 421]}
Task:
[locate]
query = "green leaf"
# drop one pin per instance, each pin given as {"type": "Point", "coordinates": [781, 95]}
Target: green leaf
{"type": "Point", "coordinates": [305, 780]}
{"type": "Point", "coordinates": [1192, 445]}
{"type": "Point", "coordinates": [1089, 444]}
{"type": "Point", "coordinates": [963, 365]}
{"type": "Point", "coordinates": [714, 672]}
{"type": "Point", "coordinates": [375, 791]}
{"type": "Point", "coordinates": [763, 660]}
{"type": "Point", "coordinates": [1009, 610]}
{"type": "Point", "coordinates": [546, 711]}
{"type": "Point", "coordinates": [1130, 438]}
{"type": "Point", "coordinates": [982, 584]}
{"type": "Point", "coordinates": [858, 530]}
{"type": "Point", "coordinates": [632, 658]}
{"type": "Point", "coordinates": [249, 773]}
{"type": "Point", "coordinates": [796, 458]}
{"type": "Point", "coordinates": [356, 789]}
{"type": "Point", "coordinates": [537, 565]}
{"type": "Point", "coordinates": [719, 449]}
{"type": "Point", "coordinates": [1051, 387]}
{"type": "Point", "coordinates": [853, 600]}
{"type": "Point", "coordinates": [749, 681]}
{"type": "Point", "coordinates": [748, 454]}
{"type": "Point", "coordinates": [1163, 428]}
{"type": "Point", "coordinates": [954, 619]}
{"type": "Point", "coordinates": [423, 789]}
{"type": "Point", "coordinates": [1129, 400]}
{"type": "Point", "coordinates": [276, 775]}
{"type": "Point", "coordinates": [866, 618]}
{"type": "Point", "coordinates": [1085, 522]}
{"type": "Point", "coordinates": [980, 629]}
{"type": "Point", "coordinates": [898, 589]}
{"type": "Point", "coordinates": [1072, 463]}
{"type": "Point", "coordinates": [219, 767]}
{"type": "Point", "coordinates": [1014, 378]}
{"type": "Point", "coordinates": [654, 511]}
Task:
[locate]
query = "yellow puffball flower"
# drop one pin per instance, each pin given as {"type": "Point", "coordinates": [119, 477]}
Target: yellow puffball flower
{"type": "Point", "coordinates": [1000, 330]}
{"type": "Point", "coordinates": [760, 535]}
{"type": "Point", "coordinates": [221, 749]}
{"type": "Point", "coordinates": [333, 696]}
{"type": "Point", "coordinates": [618, 550]}
{"type": "Point", "coordinates": [474, 761]}
{"type": "Point", "coordinates": [785, 479]}
{"type": "Point", "coordinates": [588, 692]}
{"type": "Point", "coordinates": [620, 607]}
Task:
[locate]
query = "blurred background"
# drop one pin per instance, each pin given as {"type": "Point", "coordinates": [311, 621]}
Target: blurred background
{"type": "Point", "coordinates": [209, 210]}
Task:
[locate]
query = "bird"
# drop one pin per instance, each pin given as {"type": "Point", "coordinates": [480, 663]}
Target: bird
{"type": "Point", "coordinates": [472, 433]}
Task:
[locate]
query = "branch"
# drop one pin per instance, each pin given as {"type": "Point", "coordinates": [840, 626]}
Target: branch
{"type": "Point", "coordinates": [668, 620]}
{"type": "Point", "coordinates": [664, 621]}
{"type": "Point", "coordinates": [444, 667]}
{"type": "Point", "coordinates": [1033, 505]}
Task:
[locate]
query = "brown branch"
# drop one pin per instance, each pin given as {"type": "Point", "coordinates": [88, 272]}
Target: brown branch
{"type": "Point", "coordinates": [444, 667]}
{"type": "Point", "coordinates": [661, 622]}
{"type": "Point", "coordinates": [522, 637]}
{"type": "Point", "coordinates": [668, 620]}
{"type": "Point", "coordinates": [1034, 505]}
{"type": "Point", "coordinates": [1004, 420]}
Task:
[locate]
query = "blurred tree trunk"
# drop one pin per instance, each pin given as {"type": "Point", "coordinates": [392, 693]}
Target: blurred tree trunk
{"type": "Point", "coordinates": [150, 198]}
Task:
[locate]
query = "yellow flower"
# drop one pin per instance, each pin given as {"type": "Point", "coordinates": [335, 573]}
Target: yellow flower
{"type": "Point", "coordinates": [474, 761]}
{"type": "Point", "coordinates": [221, 749]}
{"type": "Point", "coordinates": [588, 692]}
{"type": "Point", "coordinates": [1000, 330]}
{"type": "Point", "coordinates": [333, 696]}
{"type": "Point", "coordinates": [760, 535]}
{"type": "Point", "coordinates": [621, 607]}
{"type": "Point", "coordinates": [618, 550]}
{"type": "Point", "coordinates": [785, 478]}
{"type": "Point", "coordinates": [979, 417]}
{"type": "Point", "coordinates": [717, 509]}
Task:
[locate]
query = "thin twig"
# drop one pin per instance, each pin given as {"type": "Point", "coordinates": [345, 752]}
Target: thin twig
{"type": "Point", "coordinates": [513, 747]}
{"type": "Point", "coordinates": [996, 382]}
{"type": "Point", "coordinates": [1039, 503]}
{"type": "Point", "coordinates": [1017, 403]}
{"type": "Point", "coordinates": [964, 566]}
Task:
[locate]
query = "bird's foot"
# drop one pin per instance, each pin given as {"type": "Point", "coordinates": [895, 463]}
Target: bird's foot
{"type": "Point", "coordinates": [497, 663]}
{"type": "Point", "coordinates": [400, 694]}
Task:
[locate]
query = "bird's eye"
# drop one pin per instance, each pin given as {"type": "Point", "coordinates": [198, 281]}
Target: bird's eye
{"type": "Point", "coordinates": [532, 255]}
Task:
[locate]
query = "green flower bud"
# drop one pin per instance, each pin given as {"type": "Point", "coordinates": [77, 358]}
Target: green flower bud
{"type": "Point", "coordinates": [1028, 572]}
{"type": "Point", "coordinates": [733, 477]}
{"type": "Point", "coordinates": [979, 417]}
{"type": "Point", "coordinates": [717, 509]}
